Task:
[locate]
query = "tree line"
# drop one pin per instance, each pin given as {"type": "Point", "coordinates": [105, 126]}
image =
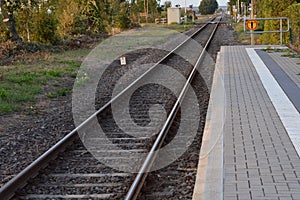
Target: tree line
{"type": "Point", "coordinates": [49, 21]}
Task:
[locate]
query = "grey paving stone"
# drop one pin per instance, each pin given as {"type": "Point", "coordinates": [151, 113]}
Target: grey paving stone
{"type": "Point", "coordinates": [256, 146]}
{"type": "Point", "coordinates": [296, 196]}
{"type": "Point", "coordinates": [289, 65]}
{"type": "Point", "coordinates": [281, 188]}
{"type": "Point", "coordinates": [244, 196]}
{"type": "Point", "coordinates": [285, 198]}
{"type": "Point", "coordinates": [231, 197]}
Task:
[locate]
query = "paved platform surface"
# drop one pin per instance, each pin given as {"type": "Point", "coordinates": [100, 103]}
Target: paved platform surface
{"type": "Point", "coordinates": [251, 142]}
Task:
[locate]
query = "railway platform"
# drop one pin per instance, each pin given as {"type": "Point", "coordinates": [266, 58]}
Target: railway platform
{"type": "Point", "coordinates": [251, 142]}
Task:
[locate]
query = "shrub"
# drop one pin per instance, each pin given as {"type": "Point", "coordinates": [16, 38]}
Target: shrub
{"type": "Point", "coordinates": [46, 29]}
{"type": "Point", "coordinates": [293, 12]}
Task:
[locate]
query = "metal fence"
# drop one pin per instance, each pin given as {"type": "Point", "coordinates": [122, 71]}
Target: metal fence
{"type": "Point", "coordinates": [281, 31]}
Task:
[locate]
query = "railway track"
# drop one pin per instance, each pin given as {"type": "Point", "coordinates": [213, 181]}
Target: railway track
{"type": "Point", "coordinates": [69, 171]}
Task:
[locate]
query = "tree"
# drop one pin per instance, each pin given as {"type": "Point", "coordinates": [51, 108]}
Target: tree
{"type": "Point", "coordinates": [152, 10]}
{"type": "Point", "coordinates": [163, 8]}
{"type": "Point", "coordinates": [272, 8]}
{"type": "Point", "coordinates": [134, 11]}
{"type": "Point", "coordinates": [168, 4]}
{"type": "Point", "coordinates": [8, 7]}
{"type": "Point", "coordinates": [293, 12]}
{"type": "Point", "coordinates": [46, 25]}
{"type": "Point", "coordinates": [121, 20]}
{"type": "Point", "coordinates": [97, 14]}
{"type": "Point", "coordinates": [24, 18]}
{"type": "Point", "coordinates": [68, 13]}
{"type": "Point", "coordinates": [208, 6]}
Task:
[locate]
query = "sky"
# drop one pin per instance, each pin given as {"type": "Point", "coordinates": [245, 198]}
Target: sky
{"type": "Point", "coordinates": [194, 2]}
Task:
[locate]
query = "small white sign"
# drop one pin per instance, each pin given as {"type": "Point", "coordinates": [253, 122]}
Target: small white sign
{"type": "Point", "coordinates": [123, 60]}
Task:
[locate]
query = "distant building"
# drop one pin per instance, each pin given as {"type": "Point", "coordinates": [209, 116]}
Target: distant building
{"type": "Point", "coordinates": [174, 15]}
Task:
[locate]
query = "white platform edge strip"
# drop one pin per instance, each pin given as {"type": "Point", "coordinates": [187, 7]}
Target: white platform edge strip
{"type": "Point", "coordinates": [288, 114]}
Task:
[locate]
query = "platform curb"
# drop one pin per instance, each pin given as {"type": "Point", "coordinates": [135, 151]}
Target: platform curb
{"type": "Point", "coordinates": [209, 178]}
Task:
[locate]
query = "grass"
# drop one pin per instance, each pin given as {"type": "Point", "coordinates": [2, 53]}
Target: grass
{"type": "Point", "coordinates": [53, 73]}
{"type": "Point", "coordinates": [21, 83]}
{"type": "Point", "coordinates": [13, 95]}
{"type": "Point", "coordinates": [241, 36]}
{"type": "Point", "coordinates": [288, 52]}
{"type": "Point", "coordinates": [269, 49]}
{"type": "Point", "coordinates": [58, 93]}
{"type": "Point", "coordinates": [291, 55]}
{"type": "Point", "coordinates": [176, 27]}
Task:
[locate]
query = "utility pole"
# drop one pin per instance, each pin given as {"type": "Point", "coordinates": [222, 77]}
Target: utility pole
{"type": "Point", "coordinates": [238, 7]}
{"type": "Point", "coordinates": [146, 10]}
{"type": "Point", "coordinates": [185, 16]}
{"type": "Point", "coordinates": [252, 16]}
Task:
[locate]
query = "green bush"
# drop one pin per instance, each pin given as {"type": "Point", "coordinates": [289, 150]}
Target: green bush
{"type": "Point", "coordinates": [274, 8]}
{"type": "Point", "coordinates": [293, 12]}
{"type": "Point", "coordinates": [80, 25]}
{"type": "Point", "coordinates": [122, 19]}
{"type": "Point", "coordinates": [46, 29]}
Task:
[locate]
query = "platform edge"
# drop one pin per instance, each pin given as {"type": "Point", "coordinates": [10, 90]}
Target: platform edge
{"type": "Point", "coordinates": [209, 178]}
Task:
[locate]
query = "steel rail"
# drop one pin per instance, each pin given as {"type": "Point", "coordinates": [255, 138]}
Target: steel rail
{"type": "Point", "coordinates": [137, 185]}
{"type": "Point", "coordinates": [8, 190]}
